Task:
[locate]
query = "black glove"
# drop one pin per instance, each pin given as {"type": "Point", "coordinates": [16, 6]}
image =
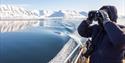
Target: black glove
{"type": "Point", "coordinates": [102, 16]}
{"type": "Point", "coordinates": [88, 22]}
{"type": "Point", "coordinates": [91, 16]}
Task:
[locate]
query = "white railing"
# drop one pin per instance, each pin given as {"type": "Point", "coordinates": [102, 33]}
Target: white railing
{"type": "Point", "coordinates": [68, 58]}
{"type": "Point", "coordinates": [80, 46]}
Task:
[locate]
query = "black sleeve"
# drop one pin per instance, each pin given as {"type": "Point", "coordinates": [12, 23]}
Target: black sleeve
{"type": "Point", "coordinates": [115, 33]}
{"type": "Point", "coordinates": [85, 30]}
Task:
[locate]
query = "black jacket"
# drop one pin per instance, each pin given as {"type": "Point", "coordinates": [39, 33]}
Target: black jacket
{"type": "Point", "coordinates": [110, 44]}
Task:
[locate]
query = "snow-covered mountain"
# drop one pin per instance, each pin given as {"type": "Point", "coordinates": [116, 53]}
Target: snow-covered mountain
{"type": "Point", "coordinates": [11, 11]}
{"type": "Point", "coordinates": [45, 13]}
{"type": "Point", "coordinates": [83, 13]}
{"type": "Point", "coordinates": [57, 14]}
{"type": "Point", "coordinates": [67, 14]}
{"type": "Point", "coordinates": [8, 12]}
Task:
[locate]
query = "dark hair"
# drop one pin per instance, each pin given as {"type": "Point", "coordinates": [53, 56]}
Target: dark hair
{"type": "Point", "coordinates": [112, 12]}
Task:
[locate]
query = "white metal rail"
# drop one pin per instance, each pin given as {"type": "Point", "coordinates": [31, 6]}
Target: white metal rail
{"type": "Point", "coordinates": [79, 45]}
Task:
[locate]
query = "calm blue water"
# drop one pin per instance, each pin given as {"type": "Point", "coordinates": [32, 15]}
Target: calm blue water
{"type": "Point", "coordinates": [30, 46]}
{"type": "Point", "coordinates": [37, 44]}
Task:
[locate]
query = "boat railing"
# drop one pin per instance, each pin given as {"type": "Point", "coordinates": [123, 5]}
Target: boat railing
{"type": "Point", "coordinates": [80, 48]}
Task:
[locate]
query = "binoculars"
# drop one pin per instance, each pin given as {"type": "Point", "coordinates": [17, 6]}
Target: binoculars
{"type": "Point", "coordinates": [94, 15]}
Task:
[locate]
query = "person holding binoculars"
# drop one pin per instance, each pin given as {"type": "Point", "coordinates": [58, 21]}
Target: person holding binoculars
{"type": "Point", "coordinates": [107, 37]}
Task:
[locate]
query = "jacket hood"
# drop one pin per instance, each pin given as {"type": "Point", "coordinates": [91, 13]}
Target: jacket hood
{"type": "Point", "coordinates": [112, 12]}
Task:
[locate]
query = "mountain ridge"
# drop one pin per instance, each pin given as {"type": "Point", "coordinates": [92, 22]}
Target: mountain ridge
{"type": "Point", "coordinates": [12, 11]}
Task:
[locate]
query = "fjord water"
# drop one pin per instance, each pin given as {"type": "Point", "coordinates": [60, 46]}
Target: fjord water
{"type": "Point", "coordinates": [33, 44]}
{"type": "Point", "coordinates": [30, 47]}
{"type": "Point", "coordinates": [37, 44]}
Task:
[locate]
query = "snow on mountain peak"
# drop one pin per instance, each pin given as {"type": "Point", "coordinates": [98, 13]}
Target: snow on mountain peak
{"type": "Point", "coordinates": [67, 14]}
{"type": "Point", "coordinates": [12, 11]}
{"type": "Point", "coordinates": [45, 13]}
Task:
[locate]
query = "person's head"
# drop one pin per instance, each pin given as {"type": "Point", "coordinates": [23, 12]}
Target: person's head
{"type": "Point", "coordinates": [112, 12]}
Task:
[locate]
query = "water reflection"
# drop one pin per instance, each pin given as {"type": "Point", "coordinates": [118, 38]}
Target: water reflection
{"type": "Point", "coordinates": [34, 41]}
{"type": "Point", "coordinates": [30, 47]}
{"type": "Point", "coordinates": [33, 44]}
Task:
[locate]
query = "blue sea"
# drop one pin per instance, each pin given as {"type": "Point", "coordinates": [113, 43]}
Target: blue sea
{"type": "Point", "coordinates": [38, 44]}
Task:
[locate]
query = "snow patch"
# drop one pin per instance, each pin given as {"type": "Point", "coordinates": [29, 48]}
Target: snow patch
{"type": "Point", "coordinates": [13, 12]}
{"type": "Point", "coordinates": [67, 14]}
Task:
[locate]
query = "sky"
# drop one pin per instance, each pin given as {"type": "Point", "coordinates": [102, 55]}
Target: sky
{"type": "Point", "coordinates": [84, 5]}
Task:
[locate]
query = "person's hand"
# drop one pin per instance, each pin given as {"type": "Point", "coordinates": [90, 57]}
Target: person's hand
{"type": "Point", "coordinates": [85, 60]}
{"type": "Point", "coordinates": [88, 21]}
{"type": "Point", "coordinates": [102, 16]}
{"type": "Point", "coordinates": [91, 15]}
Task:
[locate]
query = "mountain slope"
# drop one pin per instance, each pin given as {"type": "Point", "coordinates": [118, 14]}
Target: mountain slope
{"type": "Point", "coordinates": [67, 14]}
{"type": "Point", "coordinates": [10, 11]}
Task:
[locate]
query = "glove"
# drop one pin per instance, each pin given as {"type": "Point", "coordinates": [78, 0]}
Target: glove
{"type": "Point", "coordinates": [88, 22]}
{"type": "Point", "coordinates": [102, 16]}
{"type": "Point", "coordinates": [91, 15]}
{"type": "Point", "coordinates": [85, 60]}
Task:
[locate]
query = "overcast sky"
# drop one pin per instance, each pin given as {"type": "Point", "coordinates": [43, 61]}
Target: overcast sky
{"type": "Point", "coordinates": [84, 5]}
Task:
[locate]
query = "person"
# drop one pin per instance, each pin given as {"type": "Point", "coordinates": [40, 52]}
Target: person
{"type": "Point", "coordinates": [108, 38]}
